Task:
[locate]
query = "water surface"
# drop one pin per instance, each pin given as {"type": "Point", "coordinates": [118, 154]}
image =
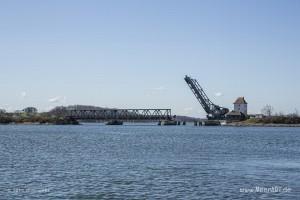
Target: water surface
{"type": "Point", "coordinates": [94, 161]}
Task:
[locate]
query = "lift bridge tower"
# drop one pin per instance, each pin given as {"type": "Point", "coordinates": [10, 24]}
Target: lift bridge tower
{"type": "Point", "coordinates": [214, 112]}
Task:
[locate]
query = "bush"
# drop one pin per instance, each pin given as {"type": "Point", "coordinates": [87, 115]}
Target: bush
{"type": "Point", "coordinates": [5, 120]}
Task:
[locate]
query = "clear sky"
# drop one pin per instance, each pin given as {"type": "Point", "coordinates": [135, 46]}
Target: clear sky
{"type": "Point", "coordinates": [135, 53]}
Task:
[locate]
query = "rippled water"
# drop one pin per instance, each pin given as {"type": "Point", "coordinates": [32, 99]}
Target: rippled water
{"type": "Point", "coordinates": [94, 161]}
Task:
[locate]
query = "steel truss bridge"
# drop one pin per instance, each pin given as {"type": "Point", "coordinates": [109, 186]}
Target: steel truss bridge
{"type": "Point", "coordinates": [121, 114]}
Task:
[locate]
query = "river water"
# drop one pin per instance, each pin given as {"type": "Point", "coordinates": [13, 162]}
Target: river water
{"type": "Point", "coordinates": [94, 161]}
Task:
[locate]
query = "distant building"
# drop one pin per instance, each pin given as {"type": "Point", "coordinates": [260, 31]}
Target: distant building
{"type": "Point", "coordinates": [241, 105]}
{"type": "Point", "coordinates": [240, 111]}
{"type": "Point", "coordinates": [30, 110]}
{"type": "Point", "coordinates": [260, 116]}
{"type": "Point", "coordinates": [256, 116]}
{"type": "Point", "coordinates": [235, 115]}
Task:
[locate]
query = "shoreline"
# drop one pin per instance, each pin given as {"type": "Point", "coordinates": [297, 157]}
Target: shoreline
{"type": "Point", "coordinates": [261, 125]}
{"type": "Point", "coordinates": [237, 124]}
{"type": "Point", "coordinates": [37, 124]}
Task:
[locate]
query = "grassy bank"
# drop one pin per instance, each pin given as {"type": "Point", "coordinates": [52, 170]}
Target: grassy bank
{"type": "Point", "coordinates": [273, 121]}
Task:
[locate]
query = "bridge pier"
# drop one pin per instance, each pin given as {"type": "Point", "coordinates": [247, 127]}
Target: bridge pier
{"type": "Point", "coordinates": [168, 123]}
{"type": "Point", "coordinates": [198, 123]}
{"type": "Point", "coordinates": [211, 123]}
{"type": "Point", "coordinates": [114, 122]}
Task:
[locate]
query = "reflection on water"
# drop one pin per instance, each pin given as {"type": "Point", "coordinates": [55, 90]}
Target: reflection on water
{"type": "Point", "coordinates": [147, 162]}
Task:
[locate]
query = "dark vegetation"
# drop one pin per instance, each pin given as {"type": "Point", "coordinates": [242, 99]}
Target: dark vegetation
{"type": "Point", "coordinates": [38, 118]}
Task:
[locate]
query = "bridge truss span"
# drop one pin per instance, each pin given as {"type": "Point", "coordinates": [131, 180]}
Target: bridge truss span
{"type": "Point", "coordinates": [121, 114]}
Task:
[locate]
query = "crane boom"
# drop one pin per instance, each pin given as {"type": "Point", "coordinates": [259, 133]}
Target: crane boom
{"type": "Point", "coordinates": [213, 111]}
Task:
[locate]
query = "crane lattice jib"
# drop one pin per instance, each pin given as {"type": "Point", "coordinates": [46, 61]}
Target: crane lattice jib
{"type": "Point", "coordinates": [200, 94]}
{"type": "Point", "coordinates": [213, 111]}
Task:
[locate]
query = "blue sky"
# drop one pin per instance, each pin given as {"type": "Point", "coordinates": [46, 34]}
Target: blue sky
{"type": "Point", "coordinates": [135, 53]}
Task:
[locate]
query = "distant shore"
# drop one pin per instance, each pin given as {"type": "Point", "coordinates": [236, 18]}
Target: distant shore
{"type": "Point", "coordinates": [60, 118]}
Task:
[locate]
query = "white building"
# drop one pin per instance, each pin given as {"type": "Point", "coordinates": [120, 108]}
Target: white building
{"type": "Point", "coordinates": [241, 105]}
